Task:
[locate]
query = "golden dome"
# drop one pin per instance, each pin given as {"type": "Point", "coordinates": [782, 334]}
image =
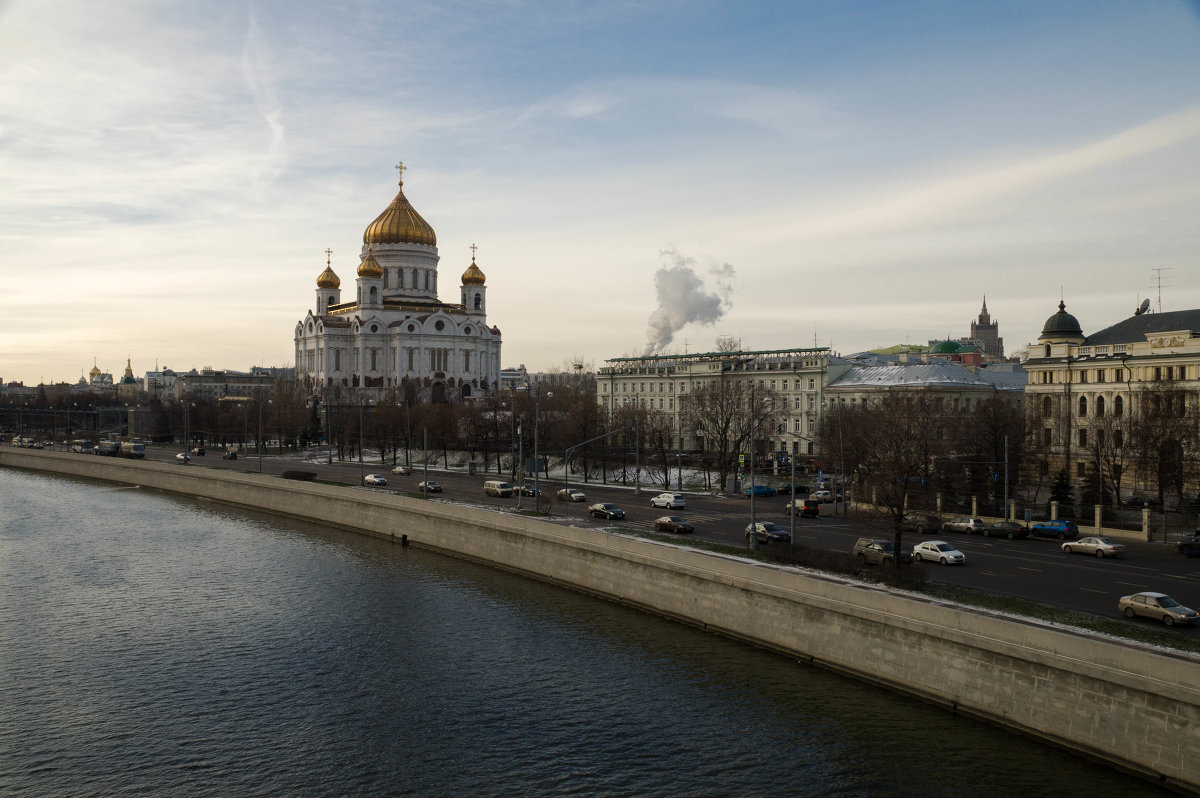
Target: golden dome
{"type": "Point", "coordinates": [95, 372]}
{"type": "Point", "coordinates": [473, 275]}
{"type": "Point", "coordinates": [328, 279]}
{"type": "Point", "coordinates": [400, 224]}
{"type": "Point", "coordinates": [369, 266]}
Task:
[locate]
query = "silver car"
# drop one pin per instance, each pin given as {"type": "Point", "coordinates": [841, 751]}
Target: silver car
{"type": "Point", "coordinates": [1100, 547]}
{"type": "Point", "coordinates": [669, 501]}
{"type": "Point", "coordinates": [972, 526]}
{"type": "Point", "coordinates": [938, 551]}
{"type": "Point", "coordinates": [1157, 605]}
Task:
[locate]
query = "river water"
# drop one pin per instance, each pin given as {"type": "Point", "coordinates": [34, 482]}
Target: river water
{"type": "Point", "coordinates": [152, 645]}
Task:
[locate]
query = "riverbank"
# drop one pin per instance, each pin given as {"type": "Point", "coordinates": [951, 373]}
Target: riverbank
{"type": "Point", "coordinates": [1130, 706]}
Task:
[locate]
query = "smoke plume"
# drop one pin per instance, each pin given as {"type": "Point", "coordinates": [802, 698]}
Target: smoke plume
{"type": "Point", "coordinates": [683, 298]}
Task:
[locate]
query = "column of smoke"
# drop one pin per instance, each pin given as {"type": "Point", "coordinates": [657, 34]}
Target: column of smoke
{"type": "Point", "coordinates": [683, 298]}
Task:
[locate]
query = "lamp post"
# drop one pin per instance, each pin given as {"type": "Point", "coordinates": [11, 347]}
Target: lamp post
{"type": "Point", "coordinates": [361, 475]}
{"type": "Point", "coordinates": [570, 450]}
{"type": "Point", "coordinates": [537, 417]}
{"type": "Point", "coordinates": [792, 505]}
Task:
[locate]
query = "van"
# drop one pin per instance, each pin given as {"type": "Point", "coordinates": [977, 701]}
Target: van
{"type": "Point", "coordinates": [494, 487]}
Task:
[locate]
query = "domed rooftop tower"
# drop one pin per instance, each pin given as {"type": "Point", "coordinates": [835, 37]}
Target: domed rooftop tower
{"type": "Point", "coordinates": [1062, 328]}
{"type": "Point", "coordinates": [404, 246]}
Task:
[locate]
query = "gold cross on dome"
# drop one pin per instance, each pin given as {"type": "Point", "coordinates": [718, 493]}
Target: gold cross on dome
{"type": "Point", "coordinates": [473, 248]}
{"type": "Point", "coordinates": [400, 170]}
{"type": "Point", "coordinates": [328, 256]}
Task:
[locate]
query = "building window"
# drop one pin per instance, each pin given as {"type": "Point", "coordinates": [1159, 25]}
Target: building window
{"type": "Point", "coordinates": [1047, 406]}
{"type": "Point", "coordinates": [478, 301]}
{"type": "Point", "coordinates": [466, 361]}
{"type": "Point", "coordinates": [1118, 407]}
{"type": "Point", "coordinates": [812, 385]}
{"type": "Point", "coordinates": [337, 360]}
{"type": "Point", "coordinates": [1047, 350]}
{"type": "Point", "coordinates": [1099, 375]}
{"type": "Point", "coordinates": [1083, 376]}
{"type": "Point", "coordinates": [374, 352]}
{"type": "Point", "coordinates": [1082, 439]}
{"type": "Point", "coordinates": [1119, 375]}
{"type": "Point", "coordinates": [1099, 406]}
{"type": "Point", "coordinates": [1083, 407]}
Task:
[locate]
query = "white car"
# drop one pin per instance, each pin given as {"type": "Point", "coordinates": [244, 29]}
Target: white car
{"type": "Point", "coordinates": [429, 487]}
{"type": "Point", "coordinates": [571, 495]}
{"type": "Point", "coordinates": [670, 501]}
{"type": "Point", "coordinates": [1101, 547]}
{"type": "Point", "coordinates": [375, 479]}
{"type": "Point", "coordinates": [938, 551]}
{"type": "Point", "coordinates": [822, 496]}
{"type": "Point", "coordinates": [183, 457]}
{"type": "Point", "coordinates": [402, 470]}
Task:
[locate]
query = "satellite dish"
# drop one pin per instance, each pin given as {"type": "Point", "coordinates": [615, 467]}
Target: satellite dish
{"type": "Point", "coordinates": [1143, 308]}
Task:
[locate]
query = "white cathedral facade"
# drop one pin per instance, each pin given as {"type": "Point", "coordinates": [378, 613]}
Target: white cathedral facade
{"type": "Point", "coordinates": [394, 335]}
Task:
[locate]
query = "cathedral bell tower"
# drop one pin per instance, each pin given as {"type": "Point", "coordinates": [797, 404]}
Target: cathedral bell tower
{"type": "Point", "coordinates": [329, 287]}
{"type": "Point", "coordinates": [474, 294]}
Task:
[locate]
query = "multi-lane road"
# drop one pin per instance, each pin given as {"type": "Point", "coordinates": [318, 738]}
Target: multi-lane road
{"type": "Point", "coordinates": [1036, 569]}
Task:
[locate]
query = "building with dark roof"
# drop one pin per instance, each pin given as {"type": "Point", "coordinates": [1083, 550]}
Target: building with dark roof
{"type": "Point", "coordinates": [1093, 402]}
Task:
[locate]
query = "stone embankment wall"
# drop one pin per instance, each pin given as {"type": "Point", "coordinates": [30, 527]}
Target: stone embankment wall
{"type": "Point", "coordinates": [1137, 708]}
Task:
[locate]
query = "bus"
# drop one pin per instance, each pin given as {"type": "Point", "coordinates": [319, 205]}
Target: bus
{"type": "Point", "coordinates": [108, 448]}
{"type": "Point", "coordinates": [133, 449]}
{"type": "Point", "coordinates": [80, 446]}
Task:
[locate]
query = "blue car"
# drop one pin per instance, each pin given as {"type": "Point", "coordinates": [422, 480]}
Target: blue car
{"type": "Point", "coordinates": [760, 490]}
{"type": "Point", "coordinates": [1063, 530]}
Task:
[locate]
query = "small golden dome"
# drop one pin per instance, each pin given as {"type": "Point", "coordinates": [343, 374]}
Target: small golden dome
{"type": "Point", "coordinates": [370, 267]}
{"type": "Point", "coordinates": [95, 372]}
{"type": "Point", "coordinates": [473, 275]}
{"type": "Point", "coordinates": [328, 279]}
{"type": "Point", "coordinates": [400, 224]}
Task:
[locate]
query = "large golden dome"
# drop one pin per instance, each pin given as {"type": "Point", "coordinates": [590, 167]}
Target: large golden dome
{"type": "Point", "coordinates": [369, 266]}
{"type": "Point", "coordinates": [473, 275]}
{"type": "Point", "coordinates": [400, 224]}
{"type": "Point", "coordinates": [328, 279]}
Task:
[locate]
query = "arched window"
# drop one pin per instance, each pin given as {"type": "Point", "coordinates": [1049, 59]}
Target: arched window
{"type": "Point", "coordinates": [1099, 406]}
{"type": "Point", "coordinates": [1083, 407]}
{"type": "Point", "coordinates": [374, 295]}
{"type": "Point", "coordinates": [1047, 406]}
{"type": "Point", "coordinates": [478, 301]}
{"type": "Point", "coordinates": [1047, 350]}
{"type": "Point", "coordinates": [329, 306]}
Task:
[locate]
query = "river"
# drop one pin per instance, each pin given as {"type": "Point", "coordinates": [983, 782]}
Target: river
{"type": "Point", "coordinates": [155, 645]}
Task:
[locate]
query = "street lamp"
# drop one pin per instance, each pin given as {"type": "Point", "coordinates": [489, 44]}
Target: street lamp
{"type": "Point", "coordinates": [537, 416]}
{"type": "Point", "coordinates": [792, 506]}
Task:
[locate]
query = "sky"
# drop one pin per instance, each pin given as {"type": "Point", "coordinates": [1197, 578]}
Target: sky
{"type": "Point", "coordinates": [638, 176]}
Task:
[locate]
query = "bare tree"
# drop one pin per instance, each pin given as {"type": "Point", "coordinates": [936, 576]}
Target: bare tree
{"type": "Point", "coordinates": [725, 413]}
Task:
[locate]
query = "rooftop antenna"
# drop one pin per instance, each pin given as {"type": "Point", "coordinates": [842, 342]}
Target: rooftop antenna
{"type": "Point", "coordinates": [1158, 279]}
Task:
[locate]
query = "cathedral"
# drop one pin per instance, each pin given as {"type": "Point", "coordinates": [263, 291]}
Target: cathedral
{"type": "Point", "coordinates": [394, 335]}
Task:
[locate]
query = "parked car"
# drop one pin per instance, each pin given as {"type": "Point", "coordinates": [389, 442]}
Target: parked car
{"type": "Point", "coordinates": [571, 495]}
{"type": "Point", "coordinates": [527, 490]}
{"type": "Point", "coordinates": [497, 487]}
{"type": "Point", "coordinates": [429, 487]}
{"type": "Point", "coordinates": [1006, 529]}
{"type": "Point", "coordinates": [1063, 530]}
{"type": "Point", "coordinates": [1157, 605]}
{"type": "Point", "coordinates": [198, 450]}
{"type": "Point", "coordinates": [920, 523]}
{"type": "Point", "coordinates": [673, 523]}
{"type": "Point", "coordinates": [972, 526]}
{"type": "Point", "coordinates": [807, 508]}
{"type": "Point", "coordinates": [766, 532]}
{"type": "Point", "coordinates": [402, 470]}
{"type": "Point", "coordinates": [183, 457]}
{"type": "Point", "coordinates": [938, 551]}
{"type": "Point", "coordinates": [1101, 547]}
{"type": "Point", "coordinates": [669, 501]}
{"type": "Point", "coordinates": [229, 454]}
{"type": "Point", "coordinates": [821, 496]}
{"type": "Point", "coordinates": [375, 479]}
{"type": "Point", "coordinates": [878, 552]}
{"type": "Point", "coordinates": [760, 490]}
{"type": "Point", "coordinates": [606, 510]}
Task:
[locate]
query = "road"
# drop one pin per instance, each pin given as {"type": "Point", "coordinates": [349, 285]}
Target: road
{"type": "Point", "coordinates": [1034, 568]}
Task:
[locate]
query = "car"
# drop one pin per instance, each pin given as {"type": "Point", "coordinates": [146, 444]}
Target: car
{"type": "Point", "coordinates": [878, 552]}
{"type": "Point", "coordinates": [231, 454]}
{"type": "Point", "coordinates": [571, 495]}
{"type": "Point", "coordinates": [1156, 605]}
{"type": "Point", "coordinates": [759, 490]}
{"type": "Point", "coordinates": [821, 496]}
{"type": "Point", "coordinates": [198, 450]}
{"type": "Point", "coordinates": [429, 487]}
{"type": "Point", "coordinates": [669, 501]}
{"type": "Point", "coordinates": [183, 457]}
{"type": "Point", "coordinates": [1101, 547]}
{"type": "Point", "coordinates": [1188, 548]}
{"type": "Point", "coordinates": [806, 508]}
{"type": "Point", "coordinates": [527, 490]}
{"type": "Point", "coordinates": [1006, 529]}
{"type": "Point", "coordinates": [375, 479]}
{"type": "Point", "coordinates": [938, 551]}
{"type": "Point", "coordinates": [673, 523]}
{"type": "Point", "coordinates": [972, 526]}
{"type": "Point", "coordinates": [606, 510]}
{"type": "Point", "coordinates": [1063, 530]}
{"type": "Point", "coordinates": [920, 523]}
{"type": "Point", "coordinates": [768, 532]}
{"type": "Point", "coordinates": [402, 470]}
{"type": "Point", "coordinates": [786, 490]}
